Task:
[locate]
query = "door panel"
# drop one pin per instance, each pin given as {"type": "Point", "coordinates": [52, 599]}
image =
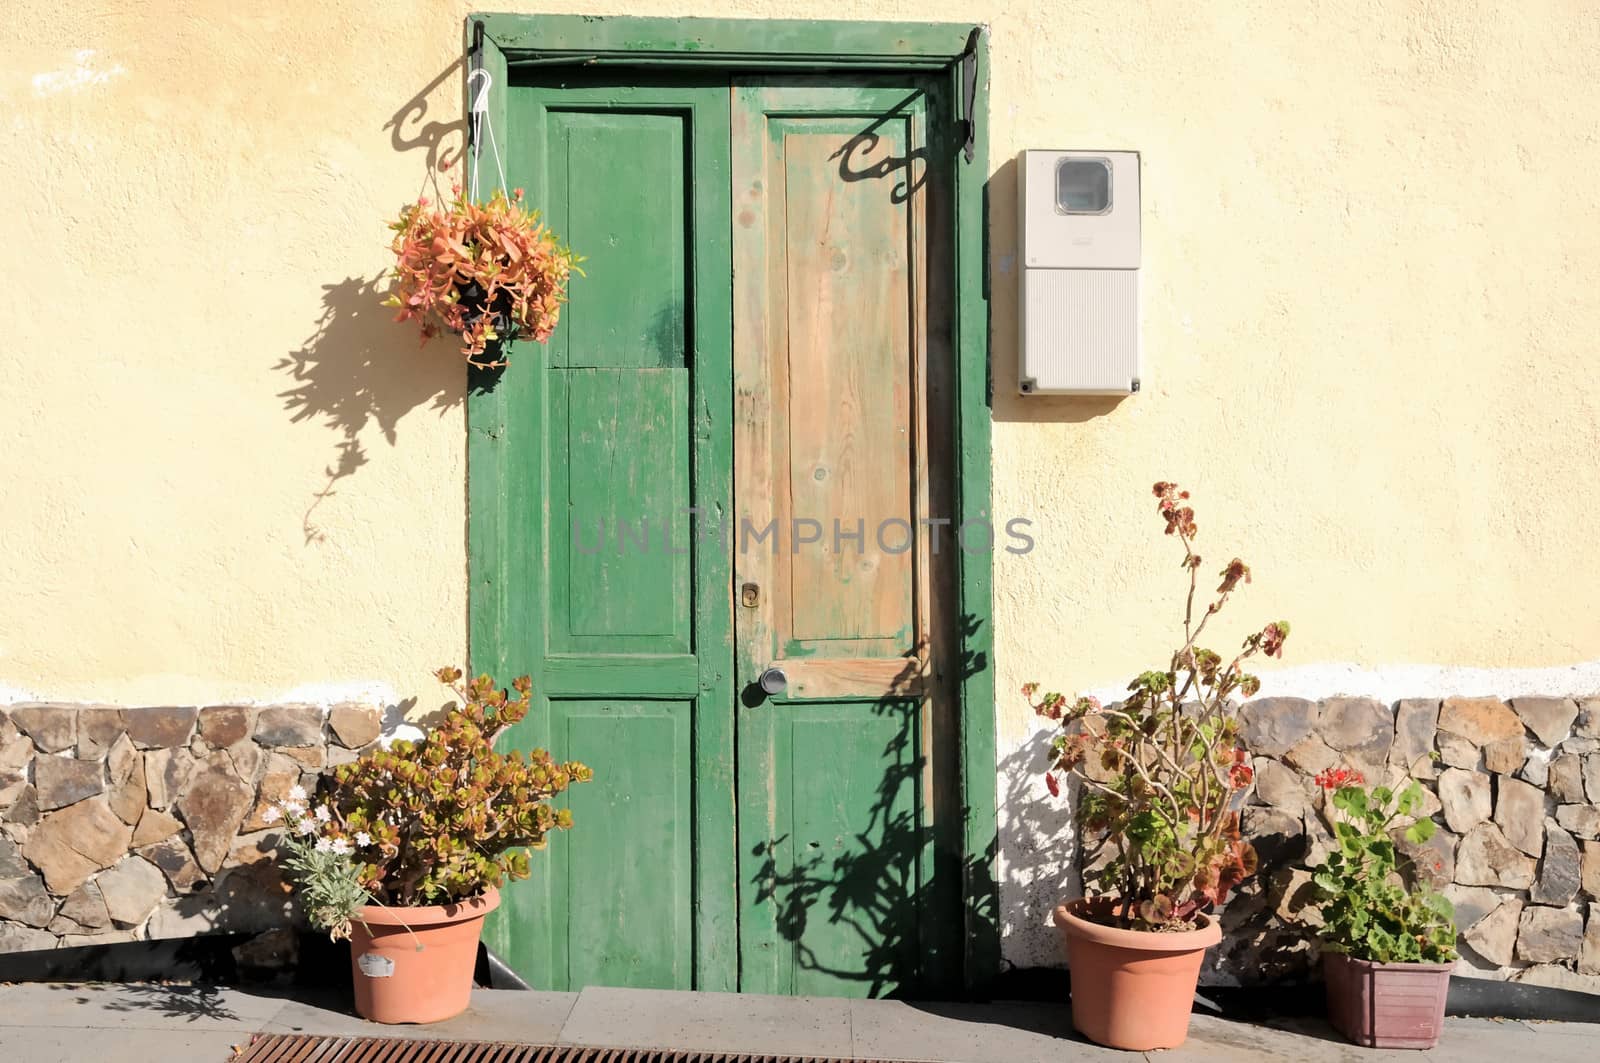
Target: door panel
{"type": "Point", "coordinates": [833, 344]}
{"type": "Point", "coordinates": [630, 862]}
{"type": "Point", "coordinates": [620, 177]}
{"type": "Point", "coordinates": [614, 430]}
{"type": "Point", "coordinates": [620, 499]}
{"type": "Point", "coordinates": [847, 450]}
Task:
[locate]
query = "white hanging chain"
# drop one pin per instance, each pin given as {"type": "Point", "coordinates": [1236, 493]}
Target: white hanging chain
{"type": "Point", "coordinates": [480, 122]}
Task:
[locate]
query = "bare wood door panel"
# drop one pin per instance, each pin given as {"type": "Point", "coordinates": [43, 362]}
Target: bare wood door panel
{"type": "Point", "coordinates": [839, 430]}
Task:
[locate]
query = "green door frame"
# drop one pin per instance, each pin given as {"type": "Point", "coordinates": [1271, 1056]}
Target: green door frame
{"type": "Point", "coordinates": [753, 46]}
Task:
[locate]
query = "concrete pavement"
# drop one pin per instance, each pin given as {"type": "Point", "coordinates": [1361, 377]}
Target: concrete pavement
{"type": "Point", "coordinates": [72, 1023]}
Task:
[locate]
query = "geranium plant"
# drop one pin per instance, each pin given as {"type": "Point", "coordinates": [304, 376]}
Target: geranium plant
{"type": "Point", "coordinates": [489, 271]}
{"type": "Point", "coordinates": [1374, 903]}
{"type": "Point", "coordinates": [1162, 772]}
{"type": "Point", "coordinates": [436, 820]}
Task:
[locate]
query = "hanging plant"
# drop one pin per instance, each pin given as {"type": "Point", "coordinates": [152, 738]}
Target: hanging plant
{"type": "Point", "coordinates": [489, 272]}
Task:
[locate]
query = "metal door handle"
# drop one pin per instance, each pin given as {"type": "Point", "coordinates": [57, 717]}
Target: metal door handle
{"type": "Point", "coordinates": [773, 681]}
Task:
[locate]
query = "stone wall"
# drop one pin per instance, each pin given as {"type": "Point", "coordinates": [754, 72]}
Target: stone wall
{"type": "Point", "coordinates": [1514, 788]}
{"type": "Point", "coordinates": [125, 824]}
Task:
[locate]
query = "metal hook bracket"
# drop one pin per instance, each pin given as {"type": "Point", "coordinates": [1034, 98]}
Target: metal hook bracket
{"type": "Point", "coordinates": [969, 93]}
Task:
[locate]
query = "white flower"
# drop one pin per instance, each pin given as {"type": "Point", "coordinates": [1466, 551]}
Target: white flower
{"type": "Point", "coordinates": [324, 846]}
{"type": "Point", "coordinates": [323, 815]}
{"type": "Point", "coordinates": [363, 839]}
{"type": "Point", "coordinates": [297, 792]}
{"type": "Point", "coordinates": [306, 826]}
{"type": "Point", "coordinates": [340, 846]}
{"type": "Point", "coordinates": [293, 809]}
{"type": "Point", "coordinates": [272, 814]}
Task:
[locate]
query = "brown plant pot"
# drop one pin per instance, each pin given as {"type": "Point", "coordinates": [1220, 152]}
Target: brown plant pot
{"type": "Point", "coordinates": [415, 964]}
{"type": "Point", "coordinates": [1386, 1005]}
{"type": "Point", "coordinates": [1131, 988]}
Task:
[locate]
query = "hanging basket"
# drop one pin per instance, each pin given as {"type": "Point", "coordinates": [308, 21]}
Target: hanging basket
{"type": "Point", "coordinates": [488, 272]}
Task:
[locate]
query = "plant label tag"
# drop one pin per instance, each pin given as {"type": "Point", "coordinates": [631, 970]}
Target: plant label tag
{"type": "Point", "coordinates": [375, 966]}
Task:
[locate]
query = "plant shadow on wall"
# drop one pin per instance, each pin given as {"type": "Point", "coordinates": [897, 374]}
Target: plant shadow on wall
{"type": "Point", "coordinates": [864, 894]}
{"type": "Point", "coordinates": [358, 368]}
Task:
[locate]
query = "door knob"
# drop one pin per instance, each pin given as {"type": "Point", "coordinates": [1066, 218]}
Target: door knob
{"type": "Point", "coordinates": [773, 681]}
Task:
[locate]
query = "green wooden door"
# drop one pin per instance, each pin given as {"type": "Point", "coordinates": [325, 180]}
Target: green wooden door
{"type": "Point", "coordinates": [758, 339]}
{"type": "Point", "coordinates": [613, 434]}
{"type": "Point", "coordinates": [841, 356]}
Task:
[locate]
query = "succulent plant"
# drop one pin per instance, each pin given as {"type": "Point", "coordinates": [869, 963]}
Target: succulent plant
{"type": "Point", "coordinates": [443, 818]}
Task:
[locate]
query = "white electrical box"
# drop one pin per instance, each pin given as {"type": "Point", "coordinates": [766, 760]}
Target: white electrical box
{"type": "Point", "coordinates": [1079, 229]}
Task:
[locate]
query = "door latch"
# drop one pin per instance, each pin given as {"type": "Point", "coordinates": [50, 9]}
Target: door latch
{"type": "Point", "coordinates": [750, 596]}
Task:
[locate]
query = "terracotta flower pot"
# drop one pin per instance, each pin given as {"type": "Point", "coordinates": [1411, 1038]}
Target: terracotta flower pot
{"type": "Point", "coordinates": [1386, 1005]}
{"type": "Point", "coordinates": [415, 964]}
{"type": "Point", "coordinates": [1131, 988]}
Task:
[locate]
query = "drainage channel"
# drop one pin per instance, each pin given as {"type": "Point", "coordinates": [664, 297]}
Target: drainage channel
{"type": "Point", "coordinates": [303, 1048]}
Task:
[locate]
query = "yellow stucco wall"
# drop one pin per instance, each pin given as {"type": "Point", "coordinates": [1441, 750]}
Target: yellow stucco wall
{"type": "Point", "coordinates": [1371, 323]}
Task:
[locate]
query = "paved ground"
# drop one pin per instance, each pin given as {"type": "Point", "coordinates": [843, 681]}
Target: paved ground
{"type": "Point", "coordinates": [59, 1022]}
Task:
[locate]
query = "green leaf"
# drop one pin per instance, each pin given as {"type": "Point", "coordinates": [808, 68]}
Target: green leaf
{"type": "Point", "coordinates": [1420, 831]}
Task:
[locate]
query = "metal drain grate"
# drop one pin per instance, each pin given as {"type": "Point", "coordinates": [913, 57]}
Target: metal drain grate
{"type": "Point", "coordinates": [300, 1048]}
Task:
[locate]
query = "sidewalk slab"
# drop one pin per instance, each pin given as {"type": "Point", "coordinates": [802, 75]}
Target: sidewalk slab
{"type": "Point", "coordinates": [736, 1023]}
{"type": "Point", "coordinates": [494, 1015]}
{"type": "Point", "coordinates": [1213, 1040]}
{"type": "Point", "coordinates": [135, 1006]}
{"type": "Point", "coordinates": [962, 1033]}
{"type": "Point", "coordinates": [54, 1044]}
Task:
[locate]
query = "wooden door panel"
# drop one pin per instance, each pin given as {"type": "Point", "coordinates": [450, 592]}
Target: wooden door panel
{"type": "Point", "coordinates": [845, 855]}
{"type": "Point", "coordinates": [622, 207]}
{"type": "Point", "coordinates": [848, 450]}
{"type": "Point", "coordinates": [623, 420]}
{"type": "Point", "coordinates": [620, 499]}
{"type": "Point", "coordinates": [838, 805]}
{"type": "Point", "coordinates": [630, 862]}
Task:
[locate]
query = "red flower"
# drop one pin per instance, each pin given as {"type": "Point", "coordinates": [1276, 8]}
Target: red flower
{"type": "Point", "coordinates": [1050, 781]}
{"type": "Point", "coordinates": [1334, 778]}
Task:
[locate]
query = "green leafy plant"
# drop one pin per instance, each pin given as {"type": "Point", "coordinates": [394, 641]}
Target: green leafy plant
{"type": "Point", "coordinates": [1374, 904]}
{"type": "Point", "coordinates": [445, 817]}
{"type": "Point", "coordinates": [1162, 773]}
{"type": "Point", "coordinates": [489, 272]}
{"type": "Point", "coordinates": [324, 868]}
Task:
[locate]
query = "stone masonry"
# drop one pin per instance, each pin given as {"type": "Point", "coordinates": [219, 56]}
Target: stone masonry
{"type": "Point", "coordinates": [1513, 786]}
{"type": "Point", "coordinates": [125, 824]}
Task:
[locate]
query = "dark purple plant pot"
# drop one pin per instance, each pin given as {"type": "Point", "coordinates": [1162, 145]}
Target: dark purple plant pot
{"type": "Point", "coordinates": [1386, 1005]}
